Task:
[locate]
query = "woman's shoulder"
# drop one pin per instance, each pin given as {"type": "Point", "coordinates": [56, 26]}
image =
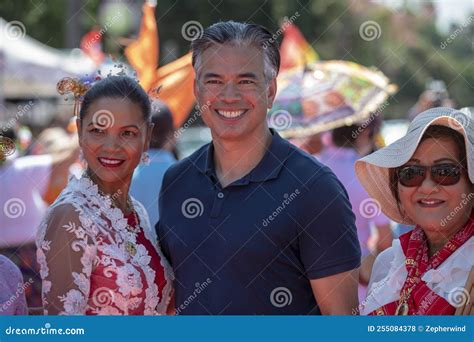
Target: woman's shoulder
{"type": "Point", "coordinates": [64, 219]}
{"type": "Point", "coordinates": [76, 203]}
{"type": "Point", "coordinates": [65, 211]}
{"type": "Point", "coordinates": [64, 208]}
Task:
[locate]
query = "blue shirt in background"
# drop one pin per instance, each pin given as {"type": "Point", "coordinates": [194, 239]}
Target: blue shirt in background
{"type": "Point", "coordinates": [147, 179]}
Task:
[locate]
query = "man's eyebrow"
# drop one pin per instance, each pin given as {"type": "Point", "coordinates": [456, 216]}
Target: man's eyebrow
{"type": "Point", "coordinates": [242, 75]}
{"type": "Point", "coordinates": [211, 75]}
{"type": "Point", "coordinates": [248, 75]}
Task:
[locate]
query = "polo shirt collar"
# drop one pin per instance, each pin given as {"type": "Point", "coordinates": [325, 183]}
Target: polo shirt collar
{"type": "Point", "coordinates": [268, 168]}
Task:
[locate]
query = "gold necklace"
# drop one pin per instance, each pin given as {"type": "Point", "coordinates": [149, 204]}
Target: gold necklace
{"type": "Point", "coordinates": [129, 245]}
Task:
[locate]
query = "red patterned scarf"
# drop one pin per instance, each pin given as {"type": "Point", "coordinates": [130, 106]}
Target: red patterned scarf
{"type": "Point", "coordinates": [416, 297]}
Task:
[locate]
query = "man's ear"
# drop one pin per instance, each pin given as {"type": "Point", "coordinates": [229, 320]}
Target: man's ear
{"type": "Point", "coordinates": [195, 87]}
{"type": "Point", "coordinates": [271, 92]}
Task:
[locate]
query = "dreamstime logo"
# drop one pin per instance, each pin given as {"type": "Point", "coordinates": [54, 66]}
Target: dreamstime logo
{"type": "Point", "coordinates": [286, 22]}
{"type": "Point", "coordinates": [280, 297]}
{"type": "Point", "coordinates": [19, 292]}
{"type": "Point", "coordinates": [456, 33]}
{"type": "Point", "coordinates": [14, 30]}
{"type": "Point", "coordinates": [22, 110]}
{"type": "Point", "coordinates": [369, 208]}
{"type": "Point", "coordinates": [371, 118]}
{"type": "Point", "coordinates": [200, 287]}
{"type": "Point", "coordinates": [192, 119]}
{"type": "Point", "coordinates": [466, 199]}
{"type": "Point", "coordinates": [370, 30]}
{"type": "Point", "coordinates": [14, 208]}
{"type": "Point", "coordinates": [460, 119]}
{"type": "Point", "coordinates": [192, 30]}
{"type": "Point", "coordinates": [103, 297]}
{"type": "Point", "coordinates": [458, 297]}
{"type": "Point", "coordinates": [192, 208]}
{"type": "Point", "coordinates": [284, 204]}
{"type": "Point", "coordinates": [98, 35]}
{"type": "Point", "coordinates": [103, 119]}
{"type": "Point", "coordinates": [280, 120]}
{"type": "Point", "coordinates": [46, 330]}
{"type": "Point", "coordinates": [377, 286]}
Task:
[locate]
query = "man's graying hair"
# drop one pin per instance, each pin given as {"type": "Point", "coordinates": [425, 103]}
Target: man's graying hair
{"type": "Point", "coordinates": [239, 34]}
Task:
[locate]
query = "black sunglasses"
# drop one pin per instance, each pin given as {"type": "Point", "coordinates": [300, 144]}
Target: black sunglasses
{"type": "Point", "coordinates": [442, 174]}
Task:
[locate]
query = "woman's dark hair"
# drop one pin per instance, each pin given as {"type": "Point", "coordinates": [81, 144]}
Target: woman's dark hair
{"type": "Point", "coordinates": [117, 87]}
{"type": "Point", "coordinates": [435, 132]}
{"type": "Point", "coordinates": [345, 136]}
{"type": "Point", "coordinates": [162, 119]}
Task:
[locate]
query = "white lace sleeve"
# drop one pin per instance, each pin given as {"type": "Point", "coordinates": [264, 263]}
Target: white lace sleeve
{"type": "Point", "coordinates": [66, 254]}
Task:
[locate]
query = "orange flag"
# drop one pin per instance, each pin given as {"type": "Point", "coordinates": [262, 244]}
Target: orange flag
{"type": "Point", "coordinates": [143, 53]}
{"type": "Point", "coordinates": [175, 82]}
{"type": "Point", "coordinates": [295, 51]}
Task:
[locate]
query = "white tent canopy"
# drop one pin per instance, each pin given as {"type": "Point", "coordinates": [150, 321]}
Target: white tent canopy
{"type": "Point", "coordinates": [30, 69]}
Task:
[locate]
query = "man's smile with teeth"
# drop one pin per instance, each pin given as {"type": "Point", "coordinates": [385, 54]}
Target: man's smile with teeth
{"type": "Point", "coordinates": [230, 114]}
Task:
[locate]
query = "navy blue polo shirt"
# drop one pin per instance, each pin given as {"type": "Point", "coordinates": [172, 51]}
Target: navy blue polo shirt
{"type": "Point", "coordinates": [252, 247]}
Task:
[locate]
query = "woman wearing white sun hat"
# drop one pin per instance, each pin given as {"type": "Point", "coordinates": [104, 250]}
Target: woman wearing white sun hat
{"type": "Point", "coordinates": [425, 179]}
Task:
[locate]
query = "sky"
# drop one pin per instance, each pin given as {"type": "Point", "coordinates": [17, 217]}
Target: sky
{"type": "Point", "coordinates": [448, 11]}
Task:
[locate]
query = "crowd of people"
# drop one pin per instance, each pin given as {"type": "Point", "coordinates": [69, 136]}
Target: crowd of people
{"type": "Point", "coordinates": [113, 224]}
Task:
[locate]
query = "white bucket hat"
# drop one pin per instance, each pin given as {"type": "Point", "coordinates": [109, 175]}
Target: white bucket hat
{"type": "Point", "coordinates": [373, 170]}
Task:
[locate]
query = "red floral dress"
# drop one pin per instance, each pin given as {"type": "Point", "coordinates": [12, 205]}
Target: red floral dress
{"type": "Point", "coordinates": [95, 261]}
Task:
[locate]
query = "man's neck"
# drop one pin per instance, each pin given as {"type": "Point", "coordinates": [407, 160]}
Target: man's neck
{"type": "Point", "coordinates": [234, 159]}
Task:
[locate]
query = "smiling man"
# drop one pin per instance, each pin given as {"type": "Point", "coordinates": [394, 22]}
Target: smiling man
{"type": "Point", "coordinates": [250, 223]}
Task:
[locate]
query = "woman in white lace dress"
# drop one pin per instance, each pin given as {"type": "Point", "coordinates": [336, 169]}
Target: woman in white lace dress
{"type": "Point", "coordinates": [97, 251]}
